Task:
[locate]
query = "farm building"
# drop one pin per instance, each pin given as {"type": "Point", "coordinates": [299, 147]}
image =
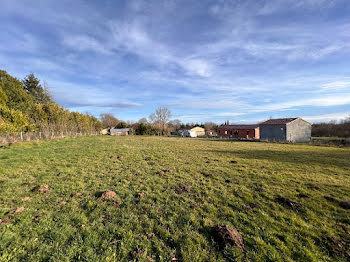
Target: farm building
{"type": "Point", "coordinates": [286, 129]}
{"type": "Point", "coordinates": [239, 131]}
{"type": "Point", "coordinates": [189, 133]}
{"type": "Point", "coordinates": [200, 131]}
{"type": "Point", "coordinates": [120, 132]}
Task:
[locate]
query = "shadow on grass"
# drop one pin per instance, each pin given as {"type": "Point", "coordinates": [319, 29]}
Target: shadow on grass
{"type": "Point", "coordinates": [313, 157]}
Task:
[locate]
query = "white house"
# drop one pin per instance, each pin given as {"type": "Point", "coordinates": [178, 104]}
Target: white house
{"type": "Point", "coordinates": [189, 133]}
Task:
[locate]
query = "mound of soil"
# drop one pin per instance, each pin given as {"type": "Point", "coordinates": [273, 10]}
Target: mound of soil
{"type": "Point", "coordinates": [302, 195]}
{"type": "Point", "coordinates": [37, 216]}
{"type": "Point", "coordinates": [288, 202]}
{"type": "Point", "coordinates": [337, 247]}
{"type": "Point", "coordinates": [5, 220]}
{"type": "Point", "coordinates": [225, 234]}
{"type": "Point", "coordinates": [181, 189]}
{"type": "Point", "coordinates": [344, 204]}
{"type": "Point", "coordinates": [25, 199]}
{"type": "Point", "coordinates": [107, 195]}
{"type": "Point", "coordinates": [17, 210]}
{"type": "Point", "coordinates": [62, 203]}
{"type": "Point", "coordinates": [120, 157]}
{"type": "Point", "coordinates": [41, 189]}
{"type": "Point", "coordinates": [161, 173]}
{"type": "Point", "coordinates": [206, 174]}
{"type": "Point", "coordinates": [141, 195]}
{"type": "Point", "coordinates": [76, 194]}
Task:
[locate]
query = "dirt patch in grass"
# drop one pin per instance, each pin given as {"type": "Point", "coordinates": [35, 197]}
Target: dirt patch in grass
{"type": "Point", "coordinates": [76, 194]}
{"type": "Point", "coordinates": [207, 174]}
{"type": "Point", "coordinates": [227, 235]}
{"type": "Point", "coordinates": [25, 199]}
{"type": "Point", "coordinates": [17, 211]}
{"type": "Point", "coordinates": [337, 247]}
{"type": "Point", "coordinates": [62, 203]}
{"type": "Point", "coordinates": [161, 173]}
{"type": "Point", "coordinates": [38, 216]}
{"type": "Point", "coordinates": [41, 189]}
{"type": "Point", "coordinates": [288, 202]}
{"type": "Point", "coordinates": [107, 195]}
{"type": "Point", "coordinates": [5, 220]}
{"type": "Point", "coordinates": [140, 195]}
{"type": "Point", "coordinates": [342, 203]}
{"type": "Point", "coordinates": [302, 195]}
{"type": "Point", "coordinates": [181, 188]}
{"type": "Point", "coordinates": [312, 186]}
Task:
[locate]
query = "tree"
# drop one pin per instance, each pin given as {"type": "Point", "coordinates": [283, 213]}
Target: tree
{"type": "Point", "coordinates": [32, 86]}
{"type": "Point", "coordinates": [108, 120]}
{"type": "Point", "coordinates": [143, 121]}
{"type": "Point", "coordinates": [160, 118]}
{"type": "Point", "coordinates": [176, 123]}
{"type": "Point", "coordinates": [13, 120]}
{"type": "Point", "coordinates": [3, 97]}
{"type": "Point", "coordinates": [121, 124]}
{"type": "Point", "coordinates": [210, 126]}
{"type": "Point", "coordinates": [18, 98]}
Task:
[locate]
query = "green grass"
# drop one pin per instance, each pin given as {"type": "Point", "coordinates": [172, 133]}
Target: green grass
{"type": "Point", "coordinates": [166, 224]}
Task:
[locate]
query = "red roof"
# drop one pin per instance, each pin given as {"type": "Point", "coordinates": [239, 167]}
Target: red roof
{"type": "Point", "coordinates": [278, 121]}
{"type": "Point", "coordinates": [239, 126]}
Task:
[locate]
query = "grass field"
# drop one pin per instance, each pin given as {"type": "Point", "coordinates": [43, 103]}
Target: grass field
{"type": "Point", "coordinates": [170, 216]}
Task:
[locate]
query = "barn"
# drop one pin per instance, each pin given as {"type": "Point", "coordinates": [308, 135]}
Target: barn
{"type": "Point", "coordinates": [286, 129]}
{"type": "Point", "coordinates": [239, 131]}
{"type": "Point", "coordinates": [119, 132]}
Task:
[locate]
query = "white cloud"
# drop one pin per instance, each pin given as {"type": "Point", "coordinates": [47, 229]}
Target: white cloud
{"type": "Point", "coordinates": [85, 43]}
{"type": "Point", "coordinates": [328, 117]}
{"type": "Point", "coordinates": [336, 85]}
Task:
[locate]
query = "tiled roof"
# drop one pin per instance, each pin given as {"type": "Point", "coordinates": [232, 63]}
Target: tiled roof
{"type": "Point", "coordinates": [278, 121]}
{"type": "Point", "coordinates": [239, 126]}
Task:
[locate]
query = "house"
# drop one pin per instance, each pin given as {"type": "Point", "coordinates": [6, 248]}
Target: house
{"type": "Point", "coordinates": [209, 133]}
{"type": "Point", "coordinates": [286, 129]}
{"type": "Point", "coordinates": [189, 133]}
{"type": "Point", "coordinates": [200, 131]}
{"type": "Point", "coordinates": [120, 132]}
{"type": "Point", "coordinates": [197, 129]}
{"type": "Point", "coordinates": [239, 131]}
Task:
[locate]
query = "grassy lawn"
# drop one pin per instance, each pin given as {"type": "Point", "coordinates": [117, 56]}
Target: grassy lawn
{"type": "Point", "coordinates": [170, 216]}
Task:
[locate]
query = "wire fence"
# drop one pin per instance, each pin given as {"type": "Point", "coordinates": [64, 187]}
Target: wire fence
{"type": "Point", "coordinates": [8, 138]}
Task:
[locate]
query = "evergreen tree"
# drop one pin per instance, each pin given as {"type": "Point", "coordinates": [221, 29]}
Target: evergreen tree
{"type": "Point", "coordinates": [32, 86]}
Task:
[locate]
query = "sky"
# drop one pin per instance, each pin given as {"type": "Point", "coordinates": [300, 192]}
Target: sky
{"type": "Point", "coordinates": [238, 60]}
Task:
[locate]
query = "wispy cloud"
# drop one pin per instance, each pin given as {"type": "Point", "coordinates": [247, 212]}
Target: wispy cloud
{"type": "Point", "coordinates": [206, 60]}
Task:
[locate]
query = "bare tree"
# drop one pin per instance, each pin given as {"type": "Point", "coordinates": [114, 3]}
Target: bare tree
{"type": "Point", "coordinates": [108, 120]}
{"type": "Point", "coordinates": [143, 121]}
{"type": "Point", "coordinates": [176, 123]}
{"type": "Point", "coordinates": [160, 118]}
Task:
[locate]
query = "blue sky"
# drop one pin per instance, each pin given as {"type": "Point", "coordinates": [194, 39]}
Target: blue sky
{"type": "Point", "coordinates": [238, 60]}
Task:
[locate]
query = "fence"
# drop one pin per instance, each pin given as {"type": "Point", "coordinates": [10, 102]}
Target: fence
{"type": "Point", "coordinates": [8, 138]}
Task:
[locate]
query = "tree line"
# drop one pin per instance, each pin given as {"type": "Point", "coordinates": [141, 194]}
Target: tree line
{"type": "Point", "coordinates": [27, 106]}
{"type": "Point", "coordinates": [332, 129]}
{"type": "Point", "coordinates": [158, 123]}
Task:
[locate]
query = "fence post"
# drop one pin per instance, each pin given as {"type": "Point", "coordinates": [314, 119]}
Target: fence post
{"type": "Point", "coordinates": [21, 136]}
